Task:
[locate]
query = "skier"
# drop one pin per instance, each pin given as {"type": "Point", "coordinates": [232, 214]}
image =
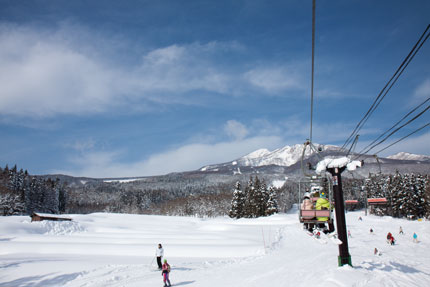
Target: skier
{"type": "Point", "coordinates": [371, 231]}
{"type": "Point", "coordinates": [322, 204]}
{"type": "Point", "coordinates": [415, 236]}
{"type": "Point", "coordinates": [360, 219]}
{"type": "Point", "coordinates": [389, 236]}
{"type": "Point", "coordinates": [349, 233]}
{"type": "Point", "coordinates": [377, 252]}
{"type": "Point", "coordinates": [307, 203]}
{"type": "Point", "coordinates": [317, 234]}
{"type": "Point", "coordinates": [159, 253]}
{"type": "Point", "coordinates": [165, 273]}
{"type": "Point", "coordinates": [401, 230]}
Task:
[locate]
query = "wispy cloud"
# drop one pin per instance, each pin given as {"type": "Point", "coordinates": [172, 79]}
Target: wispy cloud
{"type": "Point", "coordinates": [183, 158]}
{"type": "Point", "coordinates": [235, 129]}
{"type": "Point", "coordinates": [189, 156]}
{"type": "Point", "coordinates": [51, 72]}
{"type": "Point", "coordinates": [422, 92]}
{"type": "Point", "coordinates": [274, 79]}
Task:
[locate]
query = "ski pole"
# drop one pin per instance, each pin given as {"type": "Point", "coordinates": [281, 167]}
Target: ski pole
{"type": "Point", "coordinates": [152, 261]}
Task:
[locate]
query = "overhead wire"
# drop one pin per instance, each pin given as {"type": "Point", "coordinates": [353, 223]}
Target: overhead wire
{"type": "Point", "coordinates": [388, 85]}
{"type": "Point", "coordinates": [312, 73]}
{"type": "Point", "coordinates": [403, 118]}
{"type": "Point", "coordinates": [417, 130]}
{"type": "Point", "coordinates": [396, 130]}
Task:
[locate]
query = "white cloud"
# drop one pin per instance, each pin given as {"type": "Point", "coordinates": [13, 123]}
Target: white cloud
{"type": "Point", "coordinates": [64, 71]}
{"type": "Point", "coordinates": [81, 145]}
{"type": "Point", "coordinates": [422, 92]}
{"type": "Point", "coordinates": [45, 73]}
{"type": "Point", "coordinates": [235, 129]}
{"type": "Point", "coordinates": [184, 158]}
{"type": "Point", "coordinates": [192, 156]}
{"type": "Point", "coordinates": [274, 79]}
{"type": "Point", "coordinates": [41, 76]}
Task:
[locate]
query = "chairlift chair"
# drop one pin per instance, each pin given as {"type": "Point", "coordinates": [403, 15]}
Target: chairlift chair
{"type": "Point", "coordinates": [309, 218]}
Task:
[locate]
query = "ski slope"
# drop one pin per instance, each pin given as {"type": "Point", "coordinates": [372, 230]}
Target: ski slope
{"type": "Point", "coordinates": [118, 250]}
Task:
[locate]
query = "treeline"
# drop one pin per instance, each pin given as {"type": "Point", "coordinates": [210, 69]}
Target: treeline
{"type": "Point", "coordinates": [21, 193]}
{"type": "Point", "coordinates": [188, 194]}
{"type": "Point", "coordinates": [408, 195]}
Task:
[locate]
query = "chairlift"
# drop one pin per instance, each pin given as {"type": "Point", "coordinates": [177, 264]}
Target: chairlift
{"type": "Point", "coordinates": [311, 218]}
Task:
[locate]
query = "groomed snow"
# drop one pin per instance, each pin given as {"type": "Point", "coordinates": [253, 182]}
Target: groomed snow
{"type": "Point", "coordinates": [103, 249]}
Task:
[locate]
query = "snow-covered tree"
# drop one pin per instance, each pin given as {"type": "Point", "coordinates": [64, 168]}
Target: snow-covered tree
{"type": "Point", "coordinates": [272, 203]}
{"type": "Point", "coordinates": [256, 200]}
{"type": "Point", "coordinates": [238, 202]}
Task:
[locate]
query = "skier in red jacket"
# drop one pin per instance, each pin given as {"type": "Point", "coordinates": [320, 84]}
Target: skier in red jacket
{"type": "Point", "coordinates": [165, 273]}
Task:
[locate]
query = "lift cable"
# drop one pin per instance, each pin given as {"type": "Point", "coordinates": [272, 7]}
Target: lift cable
{"type": "Point", "coordinates": [396, 130]}
{"type": "Point", "coordinates": [389, 84]}
{"type": "Point", "coordinates": [312, 76]}
{"type": "Point", "coordinates": [417, 130]}
{"type": "Point", "coordinates": [403, 118]}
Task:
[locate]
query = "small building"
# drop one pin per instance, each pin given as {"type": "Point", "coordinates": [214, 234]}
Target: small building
{"type": "Point", "coordinates": [377, 201]}
{"type": "Point", "coordinates": [378, 206]}
{"type": "Point", "coordinates": [36, 216]}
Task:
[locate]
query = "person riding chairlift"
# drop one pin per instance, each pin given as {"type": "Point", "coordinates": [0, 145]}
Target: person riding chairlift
{"type": "Point", "coordinates": [307, 202]}
{"type": "Point", "coordinates": [322, 204]}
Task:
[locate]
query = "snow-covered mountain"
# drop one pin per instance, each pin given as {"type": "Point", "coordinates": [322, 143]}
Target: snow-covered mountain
{"type": "Point", "coordinates": [409, 156]}
{"type": "Point", "coordinates": [285, 156]}
{"type": "Point", "coordinates": [287, 160]}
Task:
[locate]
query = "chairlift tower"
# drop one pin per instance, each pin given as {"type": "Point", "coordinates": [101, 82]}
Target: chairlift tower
{"type": "Point", "coordinates": [344, 256]}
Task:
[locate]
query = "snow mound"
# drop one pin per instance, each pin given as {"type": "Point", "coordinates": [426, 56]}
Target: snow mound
{"type": "Point", "coordinates": [60, 227]}
{"type": "Point", "coordinates": [337, 162]}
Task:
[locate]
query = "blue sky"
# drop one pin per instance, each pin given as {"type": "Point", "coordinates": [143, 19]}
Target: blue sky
{"type": "Point", "coordinates": [134, 88]}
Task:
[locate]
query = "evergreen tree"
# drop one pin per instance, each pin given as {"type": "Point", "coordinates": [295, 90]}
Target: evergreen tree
{"type": "Point", "coordinates": [427, 197]}
{"type": "Point", "coordinates": [272, 203]}
{"type": "Point", "coordinates": [237, 203]}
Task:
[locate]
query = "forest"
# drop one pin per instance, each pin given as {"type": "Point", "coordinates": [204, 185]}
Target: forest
{"type": "Point", "coordinates": [197, 194]}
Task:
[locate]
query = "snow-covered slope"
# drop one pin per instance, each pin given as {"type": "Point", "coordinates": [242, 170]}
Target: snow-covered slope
{"type": "Point", "coordinates": [116, 250]}
{"type": "Point", "coordinates": [409, 156]}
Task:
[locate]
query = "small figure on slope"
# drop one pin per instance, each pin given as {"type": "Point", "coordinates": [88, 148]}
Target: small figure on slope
{"type": "Point", "coordinates": [415, 236]}
{"type": "Point", "coordinates": [317, 234]}
{"type": "Point", "coordinates": [165, 273]}
{"type": "Point", "coordinates": [349, 233]}
{"type": "Point", "coordinates": [390, 238]}
{"type": "Point", "coordinates": [377, 252]}
{"type": "Point", "coordinates": [159, 253]}
{"type": "Point", "coordinates": [371, 231]}
{"type": "Point", "coordinates": [401, 230]}
{"type": "Point", "coordinates": [360, 219]}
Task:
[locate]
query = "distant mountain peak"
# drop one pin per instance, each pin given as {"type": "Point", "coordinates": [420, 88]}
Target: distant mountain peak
{"type": "Point", "coordinates": [285, 156]}
{"type": "Point", "coordinates": [409, 156]}
{"type": "Point", "coordinates": [258, 153]}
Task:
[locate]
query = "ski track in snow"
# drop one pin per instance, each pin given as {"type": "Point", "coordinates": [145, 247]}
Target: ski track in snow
{"type": "Point", "coordinates": [117, 250]}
